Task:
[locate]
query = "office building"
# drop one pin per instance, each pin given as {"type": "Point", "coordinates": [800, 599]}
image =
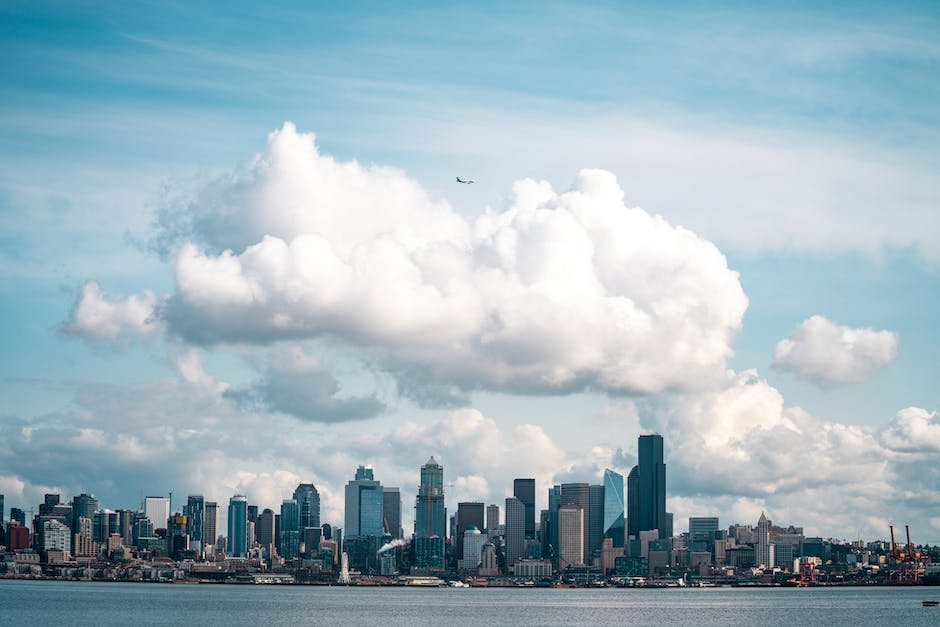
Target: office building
{"type": "Point", "coordinates": [157, 509]}
{"type": "Point", "coordinates": [595, 515]}
{"type": "Point", "coordinates": [391, 512]}
{"type": "Point", "coordinates": [472, 545]}
{"type": "Point", "coordinates": [550, 535]}
{"type": "Point", "coordinates": [210, 531]}
{"type": "Point", "coordinates": [237, 545]}
{"type": "Point", "coordinates": [468, 515]}
{"type": "Point", "coordinates": [492, 519]}
{"type": "Point", "coordinates": [524, 490]}
{"type": "Point", "coordinates": [364, 505]}
{"type": "Point", "coordinates": [289, 539]}
{"type": "Point", "coordinates": [614, 524]}
{"type": "Point", "coordinates": [514, 537]}
{"type": "Point", "coordinates": [763, 550]}
{"type": "Point", "coordinates": [56, 536]}
{"type": "Point", "coordinates": [308, 500]}
{"type": "Point", "coordinates": [264, 529]}
{"type": "Point", "coordinates": [430, 517]}
{"type": "Point", "coordinates": [703, 527]}
{"type": "Point", "coordinates": [578, 495]}
{"type": "Point", "coordinates": [83, 506]}
{"type": "Point", "coordinates": [195, 512]}
{"type": "Point", "coordinates": [650, 483]}
{"type": "Point", "coordinates": [570, 536]}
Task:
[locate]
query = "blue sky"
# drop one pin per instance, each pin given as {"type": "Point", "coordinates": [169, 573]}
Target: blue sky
{"type": "Point", "coordinates": [802, 142]}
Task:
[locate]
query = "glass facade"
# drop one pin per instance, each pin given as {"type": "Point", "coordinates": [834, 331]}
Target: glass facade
{"type": "Point", "coordinates": [308, 500]}
{"type": "Point", "coordinates": [364, 505]}
{"type": "Point", "coordinates": [614, 507]}
{"type": "Point", "coordinates": [430, 517]}
{"type": "Point", "coordinates": [238, 526]}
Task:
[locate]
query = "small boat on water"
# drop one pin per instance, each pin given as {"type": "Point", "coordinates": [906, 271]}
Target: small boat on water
{"type": "Point", "coordinates": [931, 603]}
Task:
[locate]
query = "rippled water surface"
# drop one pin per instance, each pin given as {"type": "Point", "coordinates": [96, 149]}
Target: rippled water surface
{"type": "Point", "coordinates": [75, 603]}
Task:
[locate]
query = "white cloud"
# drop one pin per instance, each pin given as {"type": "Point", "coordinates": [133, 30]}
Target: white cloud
{"type": "Point", "coordinates": [118, 319]}
{"type": "Point", "coordinates": [558, 292]}
{"type": "Point", "coordinates": [824, 352]}
{"type": "Point", "coordinates": [913, 430]}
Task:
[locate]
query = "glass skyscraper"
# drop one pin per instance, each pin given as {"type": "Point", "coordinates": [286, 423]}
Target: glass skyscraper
{"type": "Point", "coordinates": [430, 517]}
{"type": "Point", "coordinates": [613, 507]}
{"type": "Point", "coordinates": [195, 517]}
{"type": "Point", "coordinates": [289, 536]}
{"type": "Point", "coordinates": [308, 500]}
{"type": "Point", "coordinates": [524, 490]}
{"type": "Point", "coordinates": [238, 526]}
{"type": "Point", "coordinates": [652, 486]}
{"type": "Point", "coordinates": [364, 504]}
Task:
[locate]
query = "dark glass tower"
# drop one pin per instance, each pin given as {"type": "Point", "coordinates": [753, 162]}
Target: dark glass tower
{"type": "Point", "coordinates": [430, 517]}
{"type": "Point", "coordinates": [633, 503]}
{"type": "Point", "coordinates": [524, 490]}
{"type": "Point", "coordinates": [468, 515]}
{"type": "Point", "coordinates": [308, 501]}
{"type": "Point", "coordinates": [652, 485]}
{"type": "Point", "coordinates": [613, 507]}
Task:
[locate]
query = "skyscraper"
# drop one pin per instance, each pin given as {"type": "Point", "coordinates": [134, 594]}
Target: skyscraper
{"type": "Point", "coordinates": [430, 517]}
{"type": "Point", "coordinates": [265, 528]}
{"type": "Point", "coordinates": [364, 504]}
{"type": "Point", "coordinates": [595, 521]}
{"type": "Point", "coordinates": [468, 515]}
{"type": "Point", "coordinates": [524, 490]}
{"type": "Point", "coordinates": [157, 509]}
{"type": "Point", "coordinates": [391, 511]}
{"type": "Point", "coordinates": [550, 537]}
{"type": "Point", "coordinates": [2, 511]}
{"type": "Point", "coordinates": [238, 526]}
{"type": "Point", "coordinates": [289, 539]}
{"type": "Point", "coordinates": [652, 485]}
{"type": "Point", "coordinates": [514, 540]}
{"type": "Point", "coordinates": [84, 506]}
{"type": "Point", "coordinates": [613, 507]}
{"type": "Point", "coordinates": [195, 517]}
{"type": "Point", "coordinates": [578, 495]}
{"type": "Point", "coordinates": [210, 531]}
{"type": "Point", "coordinates": [492, 518]}
{"type": "Point", "coordinates": [308, 500]}
{"type": "Point", "coordinates": [763, 550]}
{"type": "Point", "coordinates": [570, 536]}
{"type": "Point", "coordinates": [633, 503]}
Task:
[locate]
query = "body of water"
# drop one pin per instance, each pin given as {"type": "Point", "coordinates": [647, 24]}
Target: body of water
{"type": "Point", "coordinates": [26, 603]}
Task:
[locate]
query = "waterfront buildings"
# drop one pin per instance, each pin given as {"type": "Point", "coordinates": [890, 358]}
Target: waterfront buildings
{"type": "Point", "coordinates": [157, 509]}
{"type": "Point", "coordinates": [570, 536]}
{"type": "Point", "coordinates": [469, 514]}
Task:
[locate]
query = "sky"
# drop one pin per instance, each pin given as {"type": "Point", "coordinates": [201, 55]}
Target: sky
{"type": "Point", "coordinates": [234, 255]}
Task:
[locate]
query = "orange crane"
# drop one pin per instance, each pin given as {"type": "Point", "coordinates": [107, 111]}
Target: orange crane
{"type": "Point", "coordinates": [894, 547]}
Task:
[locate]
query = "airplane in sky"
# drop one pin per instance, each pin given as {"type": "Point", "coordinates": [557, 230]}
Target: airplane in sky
{"type": "Point", "coordinates": [460, 180]}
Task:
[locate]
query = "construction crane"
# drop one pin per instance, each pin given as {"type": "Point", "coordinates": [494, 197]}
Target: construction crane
{"type": "Point", "coordinates": [894, 547]}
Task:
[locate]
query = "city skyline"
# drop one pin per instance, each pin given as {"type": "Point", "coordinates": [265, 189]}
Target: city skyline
{"type": "Point", "coordinates": [234, 257]}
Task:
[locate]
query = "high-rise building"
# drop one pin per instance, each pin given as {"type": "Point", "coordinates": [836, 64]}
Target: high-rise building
{"type": "Point", "coordinates": [264, 530]}
{"type": "Point", "coordinates": [157, 509]}
{"type": "Point", "coordinates": [633, 504]}
{"type": "Point", "coordinates": [702, 527]}
{"type": "Point", "coordinates": [595, 516]}
{"type": "Point", "coordinates": [468, 515]}
{"type": "Point", "coordinates": [514, 539]}
{"type": "Point", "coordinates": [289, 539]}
{"type": "Point", "coordinates": [391, 512]}
{"type": "Point", "coordinates": [578, 495]}
{"type": "Point", "coordinates": [614, 507]}
{"type": "Point", "coordinates": [473, 542]}
{"type": "Point", "coordinates": [308, 500]}
{"type": "Point", "coordinates": [56, 536]}
{"type": "Point", "coordinates": [2, 511]}
{"type": "Point", "coordinates": [550, 535]}
{"type": "Point", "coordinates": [364, 505]}
{"type": "Point", "coordinates": [524, 490]}
{"type": "Point", "coordinates": [83, 506]}
{"type": "Point", "coordinates": [764, 549]}
{"type": "Point", "coordinates": [18, 516]}
{"type": "Point", "coordinates": [492, 518]}
{"type": "Point", "coordinates": [210, 530]}
{"type": "Point", "coordinates": [238, 526]}
{"type": "Point", "coordinates": [195, 512]}
{"type": "Point", "coordinates": [430, 517]}
{"type": "Point", "coordinates": [570, 536]}
{"type": "Point", "coordinates": [652, 486]}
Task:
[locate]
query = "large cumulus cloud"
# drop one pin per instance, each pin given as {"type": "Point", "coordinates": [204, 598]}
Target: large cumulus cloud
{"type": "Point", "coordinates": [559, 291]}
{"type": "Point", "coordinates": [824, 352]}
